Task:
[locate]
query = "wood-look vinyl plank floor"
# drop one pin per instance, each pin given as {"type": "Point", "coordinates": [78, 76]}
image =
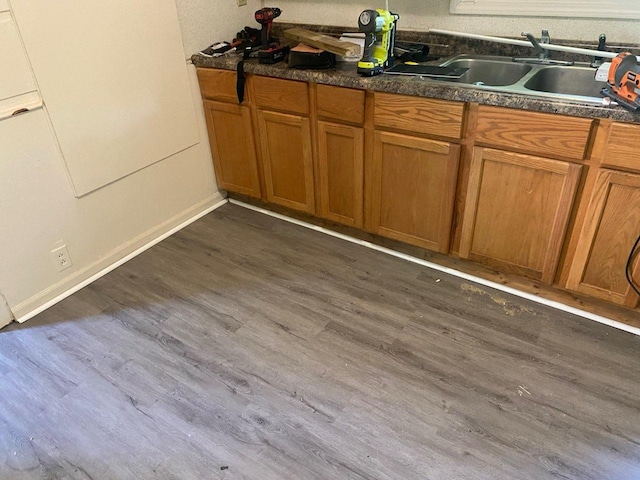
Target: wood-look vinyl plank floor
{"type": "Point", "coordinates": [245, 347]}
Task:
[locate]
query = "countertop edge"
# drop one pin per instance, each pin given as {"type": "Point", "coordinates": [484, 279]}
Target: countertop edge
{"type": "Point", "coordinates": [344, 75]}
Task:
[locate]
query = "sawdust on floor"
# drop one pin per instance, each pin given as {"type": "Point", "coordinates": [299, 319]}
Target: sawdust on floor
{"type": "Point", "coordinates": [509, 308]}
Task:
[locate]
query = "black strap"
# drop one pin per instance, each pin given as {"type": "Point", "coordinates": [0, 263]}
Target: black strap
{"type": "Point", "coordinates": [240, 81]}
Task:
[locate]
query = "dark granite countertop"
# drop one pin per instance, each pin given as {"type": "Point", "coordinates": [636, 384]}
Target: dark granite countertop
{"type": "Point", "coordinates": [344, 75]}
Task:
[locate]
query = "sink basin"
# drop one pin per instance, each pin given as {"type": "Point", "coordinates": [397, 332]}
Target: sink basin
{"type": "Point", "coordinates": [489, 72]}
{"type": "Point", "coordinates": [571, 83]}
{"type": "Point", "coordinates": [566, 81]}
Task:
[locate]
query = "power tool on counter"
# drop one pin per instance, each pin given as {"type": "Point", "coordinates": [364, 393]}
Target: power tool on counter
{"type": "Point", "coordinates": [624, 81]}
{"type": "Point", "coordinates": [379, 27]}
{"type": "Point", "coordinates": [271, 51]}
{"type": "Point", "coordinates": [265, 17]}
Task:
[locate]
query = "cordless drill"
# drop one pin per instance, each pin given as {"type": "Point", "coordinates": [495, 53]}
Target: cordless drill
{"type": "Point", "coordinates": [265, 17]}
{"type": "Point", "coordinates": [379, 27]}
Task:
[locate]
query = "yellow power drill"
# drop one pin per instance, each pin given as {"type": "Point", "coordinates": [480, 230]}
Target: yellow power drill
{"type": "Point", "coordinates": [379, 27]}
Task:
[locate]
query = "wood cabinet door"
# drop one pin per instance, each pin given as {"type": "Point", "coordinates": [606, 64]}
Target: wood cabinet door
{"type": "Point", "coordinates": [411, 191]}
{"type": "Point", "coordinates": [611, 227]}
{"type": "Point", "coordinates": [517, 211]}
{"type": "Point", "coordinates": [341, 173]}
{"type": "Point", "coordinates": [285, 141]}
{"type": "Point", "coordinates": [233, 147]}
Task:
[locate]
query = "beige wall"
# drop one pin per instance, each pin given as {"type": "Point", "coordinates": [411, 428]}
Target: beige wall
{"type": "Point", "coordinates": [425, 14]}
{"type": "Point", "coordinates": [38, 209]}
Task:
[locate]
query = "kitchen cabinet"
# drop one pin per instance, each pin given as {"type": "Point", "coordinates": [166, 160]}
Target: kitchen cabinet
{"type": "Point", "coordinates": [340, 165]}
{"type": "Point", "coordinates": [231, 133]}
{"type": "Point", "coordinates": [341, 173]}
{"type": "Point", "coordinates": [412, 191]}
{"type": "Point", "coordinates": [612, 225]}
{"type": "Point", "coordinates": [411, 180]}
{"type": "Point", "coordinates": [285, 142]}
{"type": "Point", "coordinates": [517, 211]}
{"type": "Point", "coordinates": [232, 147]}
{"type": "Point", "coordinates": [496, 186]}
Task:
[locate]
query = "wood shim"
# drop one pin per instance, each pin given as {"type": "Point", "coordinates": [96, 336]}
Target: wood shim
{"type": "Point", "coordinates": [324, 42]}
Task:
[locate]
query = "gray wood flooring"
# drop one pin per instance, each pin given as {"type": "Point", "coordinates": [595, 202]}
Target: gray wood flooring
{"type": "Point", "coordinates": [245, 347]}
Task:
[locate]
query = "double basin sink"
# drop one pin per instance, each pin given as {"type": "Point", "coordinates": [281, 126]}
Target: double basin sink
{"type": "Point", "coordinates": [575, 83]}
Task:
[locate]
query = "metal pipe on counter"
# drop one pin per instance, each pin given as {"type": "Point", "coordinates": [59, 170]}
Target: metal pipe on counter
{"type": "Point", "coordinates": [523, 43]}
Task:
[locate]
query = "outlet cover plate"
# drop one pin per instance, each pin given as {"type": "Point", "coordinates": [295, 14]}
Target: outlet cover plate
{"type": "Point", "coordinates": [61, 258]}
{"type": "Point", "coordinates": [242, 3]}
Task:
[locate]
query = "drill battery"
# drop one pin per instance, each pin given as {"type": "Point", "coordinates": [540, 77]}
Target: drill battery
{"type": "Point", "coordinates": [273, 54]}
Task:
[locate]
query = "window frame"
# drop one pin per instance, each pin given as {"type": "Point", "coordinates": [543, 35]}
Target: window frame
{"type": "Point", "coordinates": [615, 9]}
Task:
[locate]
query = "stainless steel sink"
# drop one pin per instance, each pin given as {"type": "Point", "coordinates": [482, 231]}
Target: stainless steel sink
{"type": "Point", "coordinates": [566, 80]}
{"type": "Point", "coordinates": [575, 84]}
{"type": "Point", "coordinates": [489, 72]}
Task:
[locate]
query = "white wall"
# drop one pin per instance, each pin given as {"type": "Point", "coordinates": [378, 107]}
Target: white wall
{"type": "Point", "coordinates": [38, 209]}
{"type": "Point", "coordinates": [204, 22]}
{"type": "Point", "coordinates": [424, 14]}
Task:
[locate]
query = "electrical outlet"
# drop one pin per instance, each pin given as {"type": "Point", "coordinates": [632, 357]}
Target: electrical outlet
{"type": "Point", "coordinates": [242, 3]}
{"type": "Point", "coordinates": [61, 257]}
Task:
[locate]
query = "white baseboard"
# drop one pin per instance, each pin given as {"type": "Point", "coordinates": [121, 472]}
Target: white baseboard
{"type": "Point", "coordinates": [6, 315]}
{"type": "Point", "coordinates": [112, 260]}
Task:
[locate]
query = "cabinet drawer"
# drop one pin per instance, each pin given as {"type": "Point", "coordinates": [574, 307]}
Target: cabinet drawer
{"type": "Point", "coordinates": [281, 95]}
{"type": "Point", "coordinates": [622, 147]}
{"type": "Point", "coordinates": [531, 132]}
{"type": "Point", "coordinates": [341, 104]}
{"type": "Point", "coordinates": [421, 115]}
{"type": "Point", "coordinates": [218, 84]}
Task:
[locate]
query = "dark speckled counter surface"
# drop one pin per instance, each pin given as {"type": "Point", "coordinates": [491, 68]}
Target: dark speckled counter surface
{"type": "Point", "coordinates": [344, 75]}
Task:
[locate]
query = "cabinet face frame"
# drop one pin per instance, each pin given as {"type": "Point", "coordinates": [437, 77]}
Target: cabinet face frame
{"type": "Point", "coordinates": [571, 173]}
{"type": "Point", "coordinates": [303, 124]}
{"type": "Point", "coordinates": [211, 107]}
{"type": "Point", "coordinates": [450, 154]}
{"type": "Point", "coordinates": [356, 135]}
{"type": "Point", "coordinates": [597, 205]}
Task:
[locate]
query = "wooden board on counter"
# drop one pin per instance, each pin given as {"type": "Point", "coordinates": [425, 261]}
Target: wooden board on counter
{"type": "Point", "coordinates": [324, 42]}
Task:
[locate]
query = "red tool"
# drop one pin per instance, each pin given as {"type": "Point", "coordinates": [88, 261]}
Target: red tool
{"type": "Point", "coordinates": [265, 17]}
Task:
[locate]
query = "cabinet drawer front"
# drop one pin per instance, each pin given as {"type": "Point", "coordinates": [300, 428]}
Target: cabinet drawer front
{"type": "Point", "coordinates": [218, 84]}
{"type": "Point", "coordinates": [622, 147]}
{"type": "Point", "coordinates": [532, 132]}
{"type": "Point", "coordinates": [281, 95]}
{"type": "Point", "coordinates": [341, 104]}
{"type": "Point", "coordinates": [421, 115]}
